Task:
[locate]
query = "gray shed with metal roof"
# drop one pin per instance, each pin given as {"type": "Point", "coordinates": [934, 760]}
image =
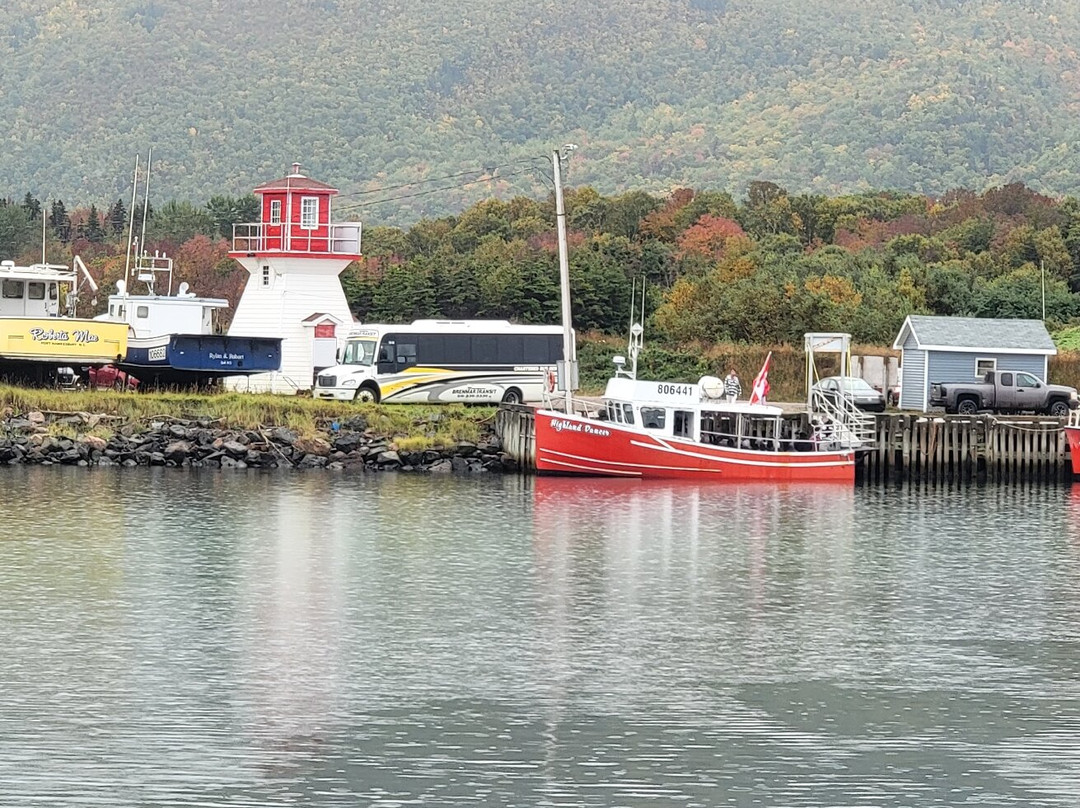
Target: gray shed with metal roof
{"type": "Point", "coordinates": [962, 349]}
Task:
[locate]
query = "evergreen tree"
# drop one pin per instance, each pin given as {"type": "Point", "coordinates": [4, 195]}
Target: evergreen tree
{"type": "Point", "coordinates": [32, 207]}
{"type": "Point", "coordinates": [92, 230]}
{"type": "Point", "coordinates": [60, 222]}
{"type": "Point", "coordinates": [116, 218]}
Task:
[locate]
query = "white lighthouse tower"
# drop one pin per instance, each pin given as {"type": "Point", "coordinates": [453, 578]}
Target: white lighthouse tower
{"type": "Point", "coordinates": [294, 255]}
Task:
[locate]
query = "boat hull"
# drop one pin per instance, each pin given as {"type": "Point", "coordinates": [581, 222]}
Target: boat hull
{"type": "Point", "coordinates": [585, 446]}
{"type": "Point", "coordinates": [175, 358]}
{"type": "Point", "coordinates": [61, 340]}
{"type": "Point", "coordinates": [1072, 434]}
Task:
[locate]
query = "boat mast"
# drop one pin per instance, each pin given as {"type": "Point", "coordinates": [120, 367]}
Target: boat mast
{"type": "Point", "coordinates": [131, 219]}
{"type": "Point", "coordinates": [146, 200]}
{"type": "Point", "coordinates": [568, 366]}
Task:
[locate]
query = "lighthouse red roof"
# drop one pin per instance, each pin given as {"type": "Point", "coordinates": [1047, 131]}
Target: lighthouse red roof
{"type": "Point", "coordinates": [295, 181]}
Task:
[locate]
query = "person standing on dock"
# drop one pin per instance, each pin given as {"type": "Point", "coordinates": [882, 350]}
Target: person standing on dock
{"type": "Point", "coordinates": [732, 386]}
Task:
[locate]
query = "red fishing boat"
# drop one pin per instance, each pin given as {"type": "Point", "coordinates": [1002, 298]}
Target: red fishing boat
{"type": "Point", "coordinates": [1072, 434]}
{"type": "Point", "coordinates": [654, 429]}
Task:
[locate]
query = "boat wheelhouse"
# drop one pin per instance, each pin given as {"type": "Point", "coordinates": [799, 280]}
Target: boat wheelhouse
{"type": "Point", "coordinates": [173, 338]}
{"type": "Point", "coordinates": [38, 331]}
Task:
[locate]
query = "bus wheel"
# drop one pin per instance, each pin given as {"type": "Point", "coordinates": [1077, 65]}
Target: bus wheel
{"type": "Point", "coordinates": [512, 396]}
{"type": "Point", "coordinates": [367, 395]}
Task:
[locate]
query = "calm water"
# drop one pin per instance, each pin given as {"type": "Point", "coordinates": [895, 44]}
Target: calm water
{"type": "Point", "coordinates": [313, 640]}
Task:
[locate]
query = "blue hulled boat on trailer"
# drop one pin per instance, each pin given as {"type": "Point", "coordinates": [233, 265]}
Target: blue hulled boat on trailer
{"type": "Point", "coordinates": [172, 339]}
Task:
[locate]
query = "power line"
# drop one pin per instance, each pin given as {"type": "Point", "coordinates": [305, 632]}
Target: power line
{"type": "Point", "coordinates": [485, 169]}
{"type": "Point", "coordinates": [358, 205]}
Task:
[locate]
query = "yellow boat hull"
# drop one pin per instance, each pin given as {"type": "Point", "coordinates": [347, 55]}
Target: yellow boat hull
{"type": "Point", "coordinates": [62, 340]}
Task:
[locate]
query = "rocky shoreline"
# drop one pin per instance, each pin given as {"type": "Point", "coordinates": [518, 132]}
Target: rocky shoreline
{"type": "Point", "coordinates": [32, 439]}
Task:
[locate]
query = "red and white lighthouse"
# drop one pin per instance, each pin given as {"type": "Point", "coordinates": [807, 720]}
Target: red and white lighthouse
{"type": "Point", "coordinates": [293, 255]}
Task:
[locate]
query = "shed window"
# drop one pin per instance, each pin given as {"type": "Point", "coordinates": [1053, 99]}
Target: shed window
{"type": "Point", "coordinates": [309, 212]}
{"type": "Point", "coordinates": [275, 211]}
{"type": "Point", "coordinates": [984, 366]}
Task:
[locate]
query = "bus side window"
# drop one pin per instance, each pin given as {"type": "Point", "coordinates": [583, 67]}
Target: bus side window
{"type": "Point", "coordinates": [406, 354]}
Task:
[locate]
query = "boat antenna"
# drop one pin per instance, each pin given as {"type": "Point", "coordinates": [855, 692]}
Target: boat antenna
{"type": "Point", "coordinates": [131, 218]}
{"type": "Point", "coordinates": [43, 261]}
{"type": "Point", "coordinates": [146, 198]}
{"type": "Point", "coordinates": [637, 330]}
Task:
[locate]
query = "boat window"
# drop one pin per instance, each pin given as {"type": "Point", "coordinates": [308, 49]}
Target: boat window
{"type": "Point", "coordinates": [142, 312]}
{"type": "Point", "coordinates": [683, 424]}
{"type": "Point", "coordinates": [13, 289]}
{"type": "Point", "coordinates": [653, 417]}
{"type": "Point", "coordinates": [628, 413]}
{"type": "Point", "coordinates": [53, 292]}
{"type": "Point", "coordinates": [35, 290]}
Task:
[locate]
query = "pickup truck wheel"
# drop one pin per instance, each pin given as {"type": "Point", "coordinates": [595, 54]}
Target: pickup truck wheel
{"type": "Point", "coordinates": [1059, 409]}
{"type": "Point", "coordinates": [967, 407]}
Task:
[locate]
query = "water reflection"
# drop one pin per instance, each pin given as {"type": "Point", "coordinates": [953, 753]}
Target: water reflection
{"type": "Point", "coordinates": [321, 640]}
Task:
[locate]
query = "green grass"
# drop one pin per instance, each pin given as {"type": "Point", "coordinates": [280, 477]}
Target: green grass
{"type": "Point", "coordinates": [419, 426]}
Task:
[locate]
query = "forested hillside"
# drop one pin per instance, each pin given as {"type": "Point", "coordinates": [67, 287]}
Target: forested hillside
{"type": "Point", "coordinates": [831, 97]}
{"type": "Point", "coordinates": [763, 270]}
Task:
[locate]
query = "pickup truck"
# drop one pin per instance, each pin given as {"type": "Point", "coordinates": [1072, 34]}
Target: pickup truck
{"type": "Point", "coordinates": [1004, 391]}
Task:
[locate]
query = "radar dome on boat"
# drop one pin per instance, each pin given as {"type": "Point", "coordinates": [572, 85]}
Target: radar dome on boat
{"type": "Point", "coordinates": [711, 386]}
{"type": "Point", "coordinates": [121, 287]}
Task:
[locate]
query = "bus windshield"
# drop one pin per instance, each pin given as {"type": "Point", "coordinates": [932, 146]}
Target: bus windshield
{"type": "Point", "coordinates": [359, 352]}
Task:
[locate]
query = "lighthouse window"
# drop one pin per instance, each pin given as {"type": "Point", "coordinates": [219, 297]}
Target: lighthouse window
{"type": "Point", "coordinates": [35, 290]}
{"type": "Point", "coordinates": [13, 289]}
{"type": "Point", "coordinates": [309, 212]}
{"type": "Point", "coordinates": [266, 276]}
{"type": "Point", "coordinates": [275, 211]}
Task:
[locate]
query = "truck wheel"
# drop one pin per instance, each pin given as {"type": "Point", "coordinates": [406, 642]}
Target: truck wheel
{"type": "Point", "coordinates": [967, 406]}
{"type": "Point", "coordinates": [512, 396]}
{"type": "Point", "coordinates": [367, 395]}
{"type": "Point", "coordinates": [1059, 408]}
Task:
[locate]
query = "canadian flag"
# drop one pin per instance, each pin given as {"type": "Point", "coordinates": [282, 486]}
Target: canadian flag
{"type": "Point", "coordinates": [761, 383]}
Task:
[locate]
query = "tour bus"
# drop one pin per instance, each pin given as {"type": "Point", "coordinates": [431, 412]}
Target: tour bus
{"type": "Point", "coordinates": [440, 361]}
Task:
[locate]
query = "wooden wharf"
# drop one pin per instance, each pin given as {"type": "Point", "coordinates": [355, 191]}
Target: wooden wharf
{"type": "Point", "coordinates": [907, 447]}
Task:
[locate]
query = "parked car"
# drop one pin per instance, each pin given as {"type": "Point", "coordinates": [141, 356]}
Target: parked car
{"type": "Point", "coordinates": [1004, 391]}
{"type": "Point", "coordinates": [110, 376]}
{"type": "Point", "coordinates": [856, 390]}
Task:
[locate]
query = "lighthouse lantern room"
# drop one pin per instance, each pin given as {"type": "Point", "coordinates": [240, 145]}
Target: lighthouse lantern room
{"type": "Point", "coordinates": [293, 255]}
